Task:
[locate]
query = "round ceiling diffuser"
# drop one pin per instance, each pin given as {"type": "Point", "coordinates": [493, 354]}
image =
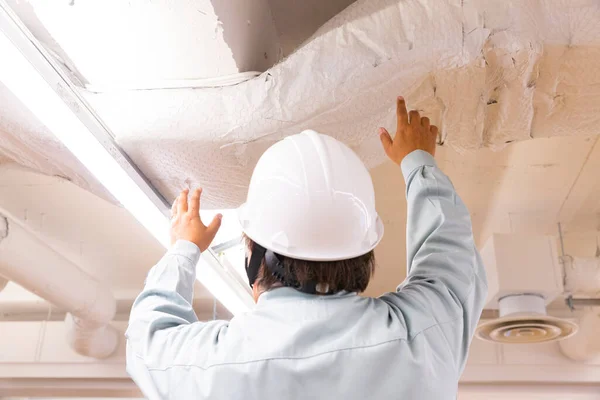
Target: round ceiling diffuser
{"type": "Point", "coordinates": [523, 319]}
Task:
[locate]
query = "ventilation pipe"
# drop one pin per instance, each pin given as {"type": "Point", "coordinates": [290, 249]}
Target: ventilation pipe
{"type": "Point", "coordinates": [582, 280]}
{"type": "Point", "coordinates": [584, 346]}
{"type": "Point", "coordinates": [26, 260]}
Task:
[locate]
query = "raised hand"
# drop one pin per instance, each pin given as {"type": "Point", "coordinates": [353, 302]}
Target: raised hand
{"type": "Point", "coordinates": [413, 132]}
{"type": "Point", "coordinates": [186, 223]}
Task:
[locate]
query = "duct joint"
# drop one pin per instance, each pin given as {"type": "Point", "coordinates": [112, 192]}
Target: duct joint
{"type": "Point", "coordinates": [522, 303]}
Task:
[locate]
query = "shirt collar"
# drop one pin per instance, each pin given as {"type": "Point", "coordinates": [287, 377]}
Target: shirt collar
{"type": "Point", "coordinates": [287, 294]}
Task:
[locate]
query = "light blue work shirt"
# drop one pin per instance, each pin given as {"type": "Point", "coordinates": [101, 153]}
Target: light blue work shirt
{"type": "Point", "coordinates": [408, 344]}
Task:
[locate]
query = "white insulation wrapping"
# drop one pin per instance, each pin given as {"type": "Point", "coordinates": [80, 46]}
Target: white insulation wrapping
{"type": "Point", "coordinates": [26, 141]}
{"type": "Point", "coordinates": [582, 276]}
{"type": "Point", "coordinates": [487, 72]}
{"type": "Point", "coordinates": [584, 346]}
{"type": "Point", "coordinates": [57, 280]}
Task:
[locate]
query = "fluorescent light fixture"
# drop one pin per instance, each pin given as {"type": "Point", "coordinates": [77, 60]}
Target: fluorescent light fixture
{"type": "Point", "coordinates": [35, 93]}
{"type": "Point", "coordinates": [33, 76]}
{"type": "Point", "coordinates": [230, 225]}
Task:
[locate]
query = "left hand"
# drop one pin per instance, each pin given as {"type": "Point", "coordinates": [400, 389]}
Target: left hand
{"type": "Point", "coordinates": [186, 223]}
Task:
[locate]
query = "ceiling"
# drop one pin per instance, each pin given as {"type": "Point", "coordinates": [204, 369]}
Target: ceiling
{"type": "Point", "coordinates": [167, 39]}
{"type": "Point", "coordinates": [297, 20]}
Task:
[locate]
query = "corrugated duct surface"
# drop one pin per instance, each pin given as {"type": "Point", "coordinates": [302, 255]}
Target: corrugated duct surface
{"type": "Point", "coordinates": [487, 72]}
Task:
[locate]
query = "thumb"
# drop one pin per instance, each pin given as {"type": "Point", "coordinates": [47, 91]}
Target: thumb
{"type": "Point", "coordinates": [386, 140]}
{"type": "Point", "coordinates": [213, 227]}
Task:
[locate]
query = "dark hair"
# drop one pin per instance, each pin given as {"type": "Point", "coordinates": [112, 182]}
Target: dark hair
{"type": "Point", "coordinates": [352, 275]}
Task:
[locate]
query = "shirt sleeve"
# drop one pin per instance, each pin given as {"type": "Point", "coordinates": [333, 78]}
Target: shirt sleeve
{"type": "Point", "coordinates": [163, 324]}
{"type": "Point", "coordinates": [446, 285]}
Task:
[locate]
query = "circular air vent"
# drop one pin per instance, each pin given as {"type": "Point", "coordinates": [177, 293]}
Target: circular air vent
{"type": "Point", "coordinates": [524, 320]}
{"type": "Point", "coordinates": [525, 329]}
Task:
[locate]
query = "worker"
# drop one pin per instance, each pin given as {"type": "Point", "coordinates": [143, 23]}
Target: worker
{"type": "Point", "coordinates": [310, 226]}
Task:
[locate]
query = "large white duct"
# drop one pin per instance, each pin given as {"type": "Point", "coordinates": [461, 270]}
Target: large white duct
{"type": "Point", "coordinates": [63, 284]}
{"type": "Point", "coordinates": [487, 72]}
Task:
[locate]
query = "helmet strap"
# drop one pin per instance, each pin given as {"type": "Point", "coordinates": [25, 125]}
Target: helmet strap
{"type": "Point", "coordinates": [275, 267]}
{"type": "Point", "coordinates": [253, 265]}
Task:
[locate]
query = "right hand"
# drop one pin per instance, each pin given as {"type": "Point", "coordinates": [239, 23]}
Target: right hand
{"type": "Point", "coordinates": [414, 133]}
{"type": "Point", "coordinates": [186, 223]}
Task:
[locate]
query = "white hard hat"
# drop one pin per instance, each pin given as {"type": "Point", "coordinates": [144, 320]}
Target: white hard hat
{"type": "Point", "coordinates": [311, 198]}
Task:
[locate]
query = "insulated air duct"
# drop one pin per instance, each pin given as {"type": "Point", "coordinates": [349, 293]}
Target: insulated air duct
{"type": "Point", "coordinates": [582, 279]}
{"type": "Point", "coordinates": [585, 345]}
{"type": "Point", "coordinates": [582, 276]}
{"type": "Point", "coordinates": [26, 260]}
{"type": "Point", "coordinates": [468, 65]}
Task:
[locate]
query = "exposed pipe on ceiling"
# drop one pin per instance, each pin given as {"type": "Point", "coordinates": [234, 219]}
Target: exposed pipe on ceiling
{"type": "Point", "coordinates": [26, 260]}
{"type": "Point", "coordinates": [584, 346]}
{"type": "Point", "coordinates": [574, 303]}
{"type": "Point", "coordinates": [582, 279]}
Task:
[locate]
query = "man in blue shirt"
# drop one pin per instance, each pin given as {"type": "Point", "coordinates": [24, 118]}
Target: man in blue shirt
{"type": "Point", "coordinates": [311, 227]}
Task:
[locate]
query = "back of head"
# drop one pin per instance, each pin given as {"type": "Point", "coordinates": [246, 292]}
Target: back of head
{"type": "Point", "coordinates": [311, 199]}
{"type": "Point", "coordinates": [350, 275]}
